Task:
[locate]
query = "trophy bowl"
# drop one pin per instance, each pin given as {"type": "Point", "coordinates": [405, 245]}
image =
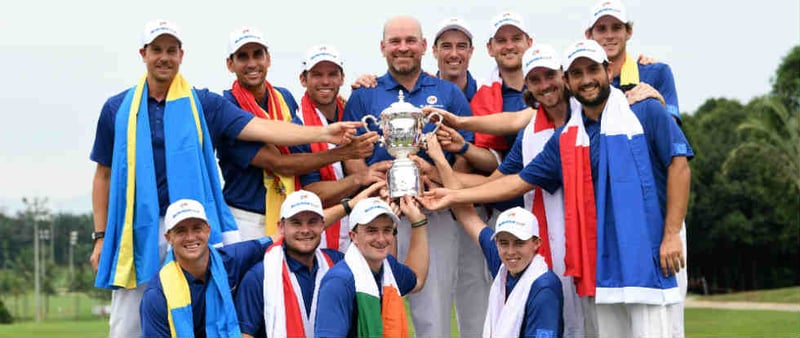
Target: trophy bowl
{"type": "Point", "coordinates": [402, 124]}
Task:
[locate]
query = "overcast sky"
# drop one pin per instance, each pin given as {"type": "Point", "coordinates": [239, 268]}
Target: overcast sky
{"type": "Point", "coordinates": [62, 59]}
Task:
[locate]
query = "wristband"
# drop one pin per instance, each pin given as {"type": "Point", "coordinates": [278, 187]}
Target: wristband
{"type": "Point", "coordinates": [346, 205]}
{"type": "Point", "coordinates": [463, 149]}
{"type": "Point", "coordinates": [419, 223]}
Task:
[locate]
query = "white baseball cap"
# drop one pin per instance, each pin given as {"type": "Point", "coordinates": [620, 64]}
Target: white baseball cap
{"type": "Point", "coordinates": [584, 48]}
{"type": "Point", "coordinates": [244, 35]}
{"type": "Point", "coordinates": [156, 28]}
{"type": "Point", "coordinates": [183, 209]}
{"type": "Point", "coordinates": [507, 18]}
{"type": "Point", "coordinates": [299, 201]}
{"type": "Point", "coordinates": [540, 55]}
{"type": "Point", "coordinates": [519, 222]}
{"type": "Point", "coordinates": [452, 23]}
{"type": "Point", "coordinates": [368, 209]}
{"type": "Point", "coordinates": [608, 7]}
{"type": "Point", "coordinates": [321, 53]}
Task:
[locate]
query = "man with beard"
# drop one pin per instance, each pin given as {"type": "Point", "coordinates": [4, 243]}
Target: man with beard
{"type": "Point", "coordinates": [625, 178]}
{"type": "Point", "coordinates": [292, 270]}
{"type": "Point", "coordinates": [259, 176]}
{"type": "Point", "coordinates": [155, 145]}
{"type": "Point", "coordinates": [610, 27]}
{"type": "Point", "coordinates": [403, 46]}
{"type": "Point", "coordinates": [322, 76]}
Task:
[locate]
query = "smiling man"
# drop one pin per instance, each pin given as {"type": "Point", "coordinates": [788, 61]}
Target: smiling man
{"type": "Point", "coordinates": [625, 177]}
{"type": "Point", "coordinates": [403, 47]}
{"type": "Point", "coordinates": [288, 309]}
{"type": "Point", "coordinates": [155, 144]}
{"type": "Point", "coordinates": [191, 295]}
{"type": "Point", "coordinates": [322, 75]}
{"type": "Point", "coordinates": [611, 28]}
{"type": "Point", "coordinates": [361, 297]}
{"type": "Point", "coordinates": [258, 176]}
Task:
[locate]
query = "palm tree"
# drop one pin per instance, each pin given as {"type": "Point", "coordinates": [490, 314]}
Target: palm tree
{"type": "Point", "coordinates": [773, 129]}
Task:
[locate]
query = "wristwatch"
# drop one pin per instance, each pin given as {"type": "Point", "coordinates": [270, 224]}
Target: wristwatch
{"type": "Point", "coordinates": [346, 205]}
{"type": "Point", "coordinates": [98, 235]}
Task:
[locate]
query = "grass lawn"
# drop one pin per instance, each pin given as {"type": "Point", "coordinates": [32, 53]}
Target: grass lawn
{"type": "Point", "coordinates": [84, 328]}
{"type": "Point", "coordinates": [739, 323]}
{"type": "Point", "coordinates": [789, 295]}
{"type": "Point", "coordinates": [59, 307]}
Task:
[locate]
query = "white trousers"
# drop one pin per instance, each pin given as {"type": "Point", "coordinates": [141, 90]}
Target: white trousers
{"type": "Point", "coordinates": [124, 318]}
{"type": "Point", "coordinates": [251, 225]}
{"type": "Point", "coordinates": [431, 307]}
{"type": "Point", "coordinates": [638, 320]}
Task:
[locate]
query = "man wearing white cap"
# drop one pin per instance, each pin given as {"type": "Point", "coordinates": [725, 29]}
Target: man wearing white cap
{"type": "Point", "coordinates": [625, 178]}
{"type": "Point", "coordinates": [289, 310]}
{"type": "Point", "coordinates": [191, 294]}
{"type": "Point", "coordinates": [322, 75]}
{"type": "Point", "coordinates": [362, 296]}
{"type": "Point", "coordinates": [403, 46]}
{"type": "Point", "coordinates": [155, 144]}
{"type": "Point", "coordinates": [258, 176]}
{"type": "Point", "coordinates": [610, 26]}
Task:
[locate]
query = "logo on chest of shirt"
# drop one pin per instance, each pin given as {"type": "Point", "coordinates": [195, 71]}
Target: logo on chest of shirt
{"type": "Point", "coordinates": [432, 99]}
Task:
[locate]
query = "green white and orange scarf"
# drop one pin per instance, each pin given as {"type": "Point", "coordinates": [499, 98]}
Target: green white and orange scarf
{"type": "Point", "coordinates": [379, 314]}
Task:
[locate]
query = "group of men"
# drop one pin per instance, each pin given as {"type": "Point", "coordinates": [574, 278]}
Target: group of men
{"type": "Point", "coordinates": [569, 172]}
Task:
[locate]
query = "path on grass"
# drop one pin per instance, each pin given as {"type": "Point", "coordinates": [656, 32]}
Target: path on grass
{"type": "Point", "coordinates": [693, 302]}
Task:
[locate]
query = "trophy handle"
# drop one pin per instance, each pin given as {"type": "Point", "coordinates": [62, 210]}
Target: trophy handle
{"type": "Point", "coordinates": [366, 125]}
{"type": "Point", "coordinates": [438, 122]}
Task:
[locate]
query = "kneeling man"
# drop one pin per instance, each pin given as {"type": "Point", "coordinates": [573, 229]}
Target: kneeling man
{"type": "Point", "coordinates": [362, 296]}
{"type": "Point", "coordinates": [191, 294]}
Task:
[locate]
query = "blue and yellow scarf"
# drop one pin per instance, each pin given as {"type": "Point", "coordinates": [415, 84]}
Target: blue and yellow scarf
{"type": "Point", "coordinates": [130, 251]}
{"type": "Point", "coordinates": [221, 319]}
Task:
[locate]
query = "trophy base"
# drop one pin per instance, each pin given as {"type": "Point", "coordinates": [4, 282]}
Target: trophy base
{"type": "Point", "coordinates": [403, 179]}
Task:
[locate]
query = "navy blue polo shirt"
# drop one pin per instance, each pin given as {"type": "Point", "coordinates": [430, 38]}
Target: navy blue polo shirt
{"type": "Point", "coordinates": [224, 120]}
{"type": "Point", "coordinates": [545, 301]}
{"type": "Point", "coordinates": [659, 76]}
{"type": "Point", "coordinates": [427, 91]}
{"type": "Point", "coordinates": [250, 296]}
{"type": "Point", "coordinates": [336, 303]}
{"type": "Point", "coordinates": [470, 88]}
{"type": "Point", "coordinates": [664, 137]}
{"type": "Point", "coordinates": [237, 258]}
{"type": "Point", "coordinates": [244, 183]}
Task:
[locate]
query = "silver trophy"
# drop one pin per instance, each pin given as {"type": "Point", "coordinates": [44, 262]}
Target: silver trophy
{"type": "Point", "coordinates": [402, 125]}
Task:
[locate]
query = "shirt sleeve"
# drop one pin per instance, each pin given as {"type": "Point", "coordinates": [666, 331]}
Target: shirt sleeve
{"type": "Point", "coordinates": [103, 149]}
{"type": "Point", "coordinates": [512, 163]}
{"type": "Point", "coordinates": [662, 132]}
{"type": "Point", "coordinates": [224, 119]}
{"type": "Point", "coordinates": [153, 313]}
{"type": "Point", "coordinates": [542, 314]}
{"type": "Point", "coordinates": [545, 169]}
{"type": "Point", "coordinates": [240, 257]}
{"type": "Point", "coordinates": [249, 301]}
{"type": "Point", "coordinates": [336, 298]}
{"type": "Point", "coordinates": [666, 87]}
{"type": "Point", "coordinates": [238, 153]}
{"type": "Point", "coordinates": [405, 277]}
{"type": "Point", "coordinates": [354, 109]}
{"type": "Point", "coordinates": [489, 248]}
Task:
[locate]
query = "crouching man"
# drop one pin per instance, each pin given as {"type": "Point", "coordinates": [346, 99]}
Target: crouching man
{"type": "Point", "coordinates": [191, 294]}
{"type": "Point", "coordinates": [362, 296]}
